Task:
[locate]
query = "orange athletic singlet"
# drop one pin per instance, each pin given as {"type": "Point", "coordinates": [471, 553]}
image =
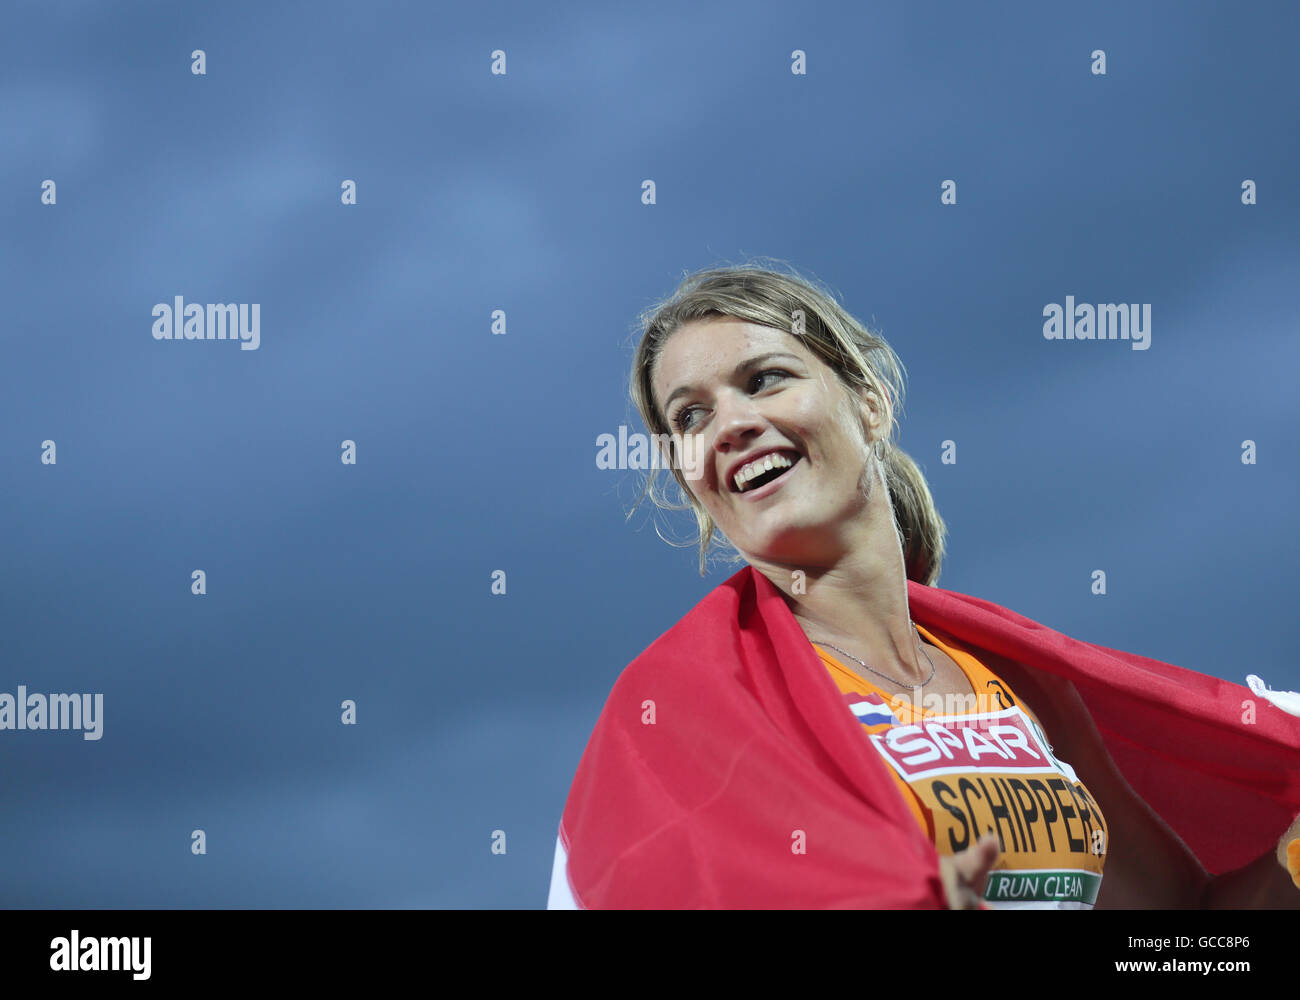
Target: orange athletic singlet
{"type": "Point", "coordinates": [973, 765]}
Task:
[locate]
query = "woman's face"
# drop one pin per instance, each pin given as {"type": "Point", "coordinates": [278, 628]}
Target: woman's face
{"type": "Point", "coordinates": [744, 391]}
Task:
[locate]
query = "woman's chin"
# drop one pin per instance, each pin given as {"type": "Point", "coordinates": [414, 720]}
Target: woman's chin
{"type": "Point", "coordinates": [789, 545]}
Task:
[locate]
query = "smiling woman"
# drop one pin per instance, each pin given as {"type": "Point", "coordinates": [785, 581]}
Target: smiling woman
{"type": "Point", "coordinates": [771, 750]}
{"type": "Point", "coordinates": [748, 307]}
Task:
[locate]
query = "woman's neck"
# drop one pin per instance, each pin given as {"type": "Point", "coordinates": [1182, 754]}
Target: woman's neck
{"type": "Point", "coordinates": [859, 604]}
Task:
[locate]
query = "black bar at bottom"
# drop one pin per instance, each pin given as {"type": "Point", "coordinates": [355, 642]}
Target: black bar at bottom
{"type": "Point", "coordinates": [338, 948]}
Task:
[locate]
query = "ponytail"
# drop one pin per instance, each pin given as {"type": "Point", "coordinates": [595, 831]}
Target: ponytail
{"type": "Point", "coordinates": [921, 530]}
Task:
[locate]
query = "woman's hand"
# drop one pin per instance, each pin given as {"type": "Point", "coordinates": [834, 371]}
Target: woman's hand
{"type": "Point", "coordinates": [1287, 856]}
{"type": "Point", "coordinates": [965, 873]}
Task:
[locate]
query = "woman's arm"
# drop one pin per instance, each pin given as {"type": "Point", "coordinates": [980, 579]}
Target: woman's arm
{"type": "Point", "coordinates": [1265, 883]}
{"type": "Point", "coordinates": [1147, 864]}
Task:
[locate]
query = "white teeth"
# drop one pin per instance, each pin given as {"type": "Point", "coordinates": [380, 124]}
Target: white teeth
{"type": "Point", "coordinates": [759, 466]}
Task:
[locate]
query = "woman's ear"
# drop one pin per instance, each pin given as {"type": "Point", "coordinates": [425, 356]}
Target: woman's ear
{"type": "Point", "coordinates": [873, 414]}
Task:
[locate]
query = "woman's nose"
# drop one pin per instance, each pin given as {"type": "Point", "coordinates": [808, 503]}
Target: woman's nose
{"type": "Point", "coordinates": [737, 420]}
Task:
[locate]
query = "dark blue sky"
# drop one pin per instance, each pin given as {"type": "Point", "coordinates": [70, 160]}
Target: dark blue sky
{"type": "Point", "coordinates": [476, 452]}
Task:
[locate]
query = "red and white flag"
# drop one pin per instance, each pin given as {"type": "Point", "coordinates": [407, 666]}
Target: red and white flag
{"type": "Point", "coordinates": [725, 772]}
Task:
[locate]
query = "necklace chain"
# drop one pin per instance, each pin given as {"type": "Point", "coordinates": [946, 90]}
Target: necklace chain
{"type": "Point", "coordinates": [877, 672]}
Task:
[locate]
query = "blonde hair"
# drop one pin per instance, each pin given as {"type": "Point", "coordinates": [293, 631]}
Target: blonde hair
{"type": "Point", "coordinates": [860, 358]}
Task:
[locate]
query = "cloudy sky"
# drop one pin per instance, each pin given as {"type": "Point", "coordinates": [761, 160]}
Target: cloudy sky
{"type": "Point", "coordinates": [476, 452]}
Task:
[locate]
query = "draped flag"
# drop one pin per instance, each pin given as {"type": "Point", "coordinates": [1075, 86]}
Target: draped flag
{"type": "Point", "coordinates": [724, 770]}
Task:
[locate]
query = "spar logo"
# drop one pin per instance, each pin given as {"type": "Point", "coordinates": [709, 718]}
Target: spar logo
{"type": "Point", "coordinates": [1005, 742]}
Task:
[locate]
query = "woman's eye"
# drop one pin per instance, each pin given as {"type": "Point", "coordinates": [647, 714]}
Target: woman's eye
{"type": "Point", "coordinates": [771, 371]}
{"type": "Point", "coordinates": [682, 419]}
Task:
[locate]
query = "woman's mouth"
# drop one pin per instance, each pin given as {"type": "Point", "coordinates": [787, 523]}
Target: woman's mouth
{"type": "Point", "coordinates": [765, 474]}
